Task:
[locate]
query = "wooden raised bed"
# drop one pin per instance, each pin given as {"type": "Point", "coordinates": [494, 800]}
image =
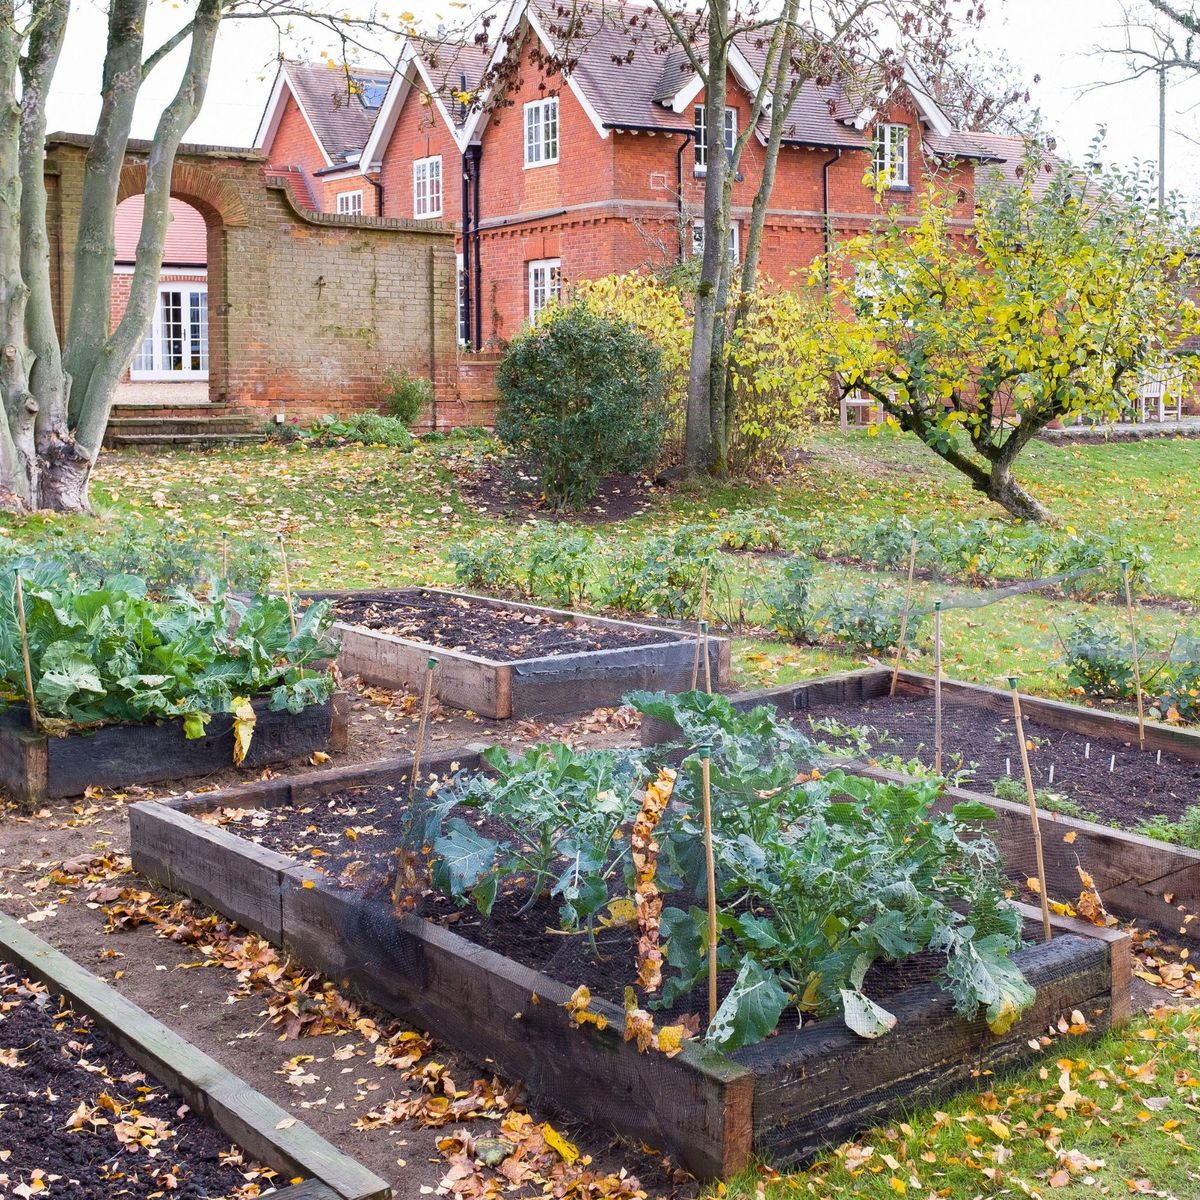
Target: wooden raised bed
{"type": "Point", "coordinates": [35, 767]}
{"type": "Point", "coordinates": [1138, 878]}
{"type": "Point", "coordinates": [528, 687]}
{"type": "Point", "coordinates": [713, 1113]}
{"type": "Point", "coordinates": [260, 1127]}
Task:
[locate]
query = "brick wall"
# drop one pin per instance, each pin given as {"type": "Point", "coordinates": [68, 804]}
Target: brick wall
{"type": "Point", "coordinates": [306, 311]}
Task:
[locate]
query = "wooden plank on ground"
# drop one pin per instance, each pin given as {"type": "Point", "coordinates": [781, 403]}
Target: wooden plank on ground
{"type": "Point", "coordinates": [258, 1125]}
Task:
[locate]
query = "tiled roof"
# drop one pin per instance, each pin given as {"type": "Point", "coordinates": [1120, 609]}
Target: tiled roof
{"type": "Point", "coordinates": [187, 235]}
{"type": "Point", "coordinates": [452, 68]}
{"type": "Point", "coordinates": [1012, 161]}
{"type": "Point", "coordinates": [338, 110]}
{"type": "Point", "coordinates": [963, 145]}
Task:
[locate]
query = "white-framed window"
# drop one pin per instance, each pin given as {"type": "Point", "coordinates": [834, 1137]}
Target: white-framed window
{"type": "Point", "coordinates": [177, 345]}
{"type": "Point", "coordinates": [735, 239]}
{"type": "Point", "coordinates": [541, 132]}
{"type": "Point", "coordinates": [545, 284]}
{"type": "Point", "coordinates": [427, 187]}
{"type": "Point", "coordinates": [464, 308]}
{"type": "Point", "coordinates": [700, 135]}
{"type": "Point", "coordinates": [350, 204]}
{"type": "Point", "coordinates": [891, 155]}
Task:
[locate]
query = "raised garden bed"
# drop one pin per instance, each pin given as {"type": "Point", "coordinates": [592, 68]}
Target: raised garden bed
{"type": "Point", "coordinates": [782, 1098]}
{"type": "Point", "coordinates": [1137, 877]}
{"type": "Point", "coordinates": [35, 767]}
{"type": "Point", "coordinates": [138, 1076]}
{"type": "Point", "coordinates": [502, 659]}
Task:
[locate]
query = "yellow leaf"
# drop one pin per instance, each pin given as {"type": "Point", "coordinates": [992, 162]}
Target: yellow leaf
{"type": "Point", "coordinates": [244, 719]}
{"type": "Point", "coordinates": [898, 1185]}
{"type": "Point", "coordinates": [567, 1151]}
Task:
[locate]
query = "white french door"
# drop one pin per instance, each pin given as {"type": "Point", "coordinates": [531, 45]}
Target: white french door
{"type": "Point", "coordinates": [177, 345]}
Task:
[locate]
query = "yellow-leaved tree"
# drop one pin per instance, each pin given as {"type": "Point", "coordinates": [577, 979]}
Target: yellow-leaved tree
{"type": "Point", "coordinates": [1069, 294]}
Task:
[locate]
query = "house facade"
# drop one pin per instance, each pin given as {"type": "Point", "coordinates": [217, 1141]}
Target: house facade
{"type": "Point", "coordinates": [552, 178]}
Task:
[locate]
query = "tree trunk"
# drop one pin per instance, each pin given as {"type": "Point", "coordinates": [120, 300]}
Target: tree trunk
{"type": "Point", "coordinates": [1010, 495]}
{"type": "Point", "coordinates": [18, 458]}
{"type": "Point", "coordinates": [698, 432]}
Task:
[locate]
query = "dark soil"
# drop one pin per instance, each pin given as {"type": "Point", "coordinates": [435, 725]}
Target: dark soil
{"type": "Point", "coordinates": [1138, 785]}
{"type": "Point", "coordinates": [501, 634]}
{"type": "Point", "coordinates": [73, 1107]}
{"type": "Point", "coordinates": [504, 488]}
{"type": "Point", "coordinates": [353, 836]}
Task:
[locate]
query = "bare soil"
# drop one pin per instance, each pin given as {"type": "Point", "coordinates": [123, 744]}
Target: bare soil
{"type": "Point", "coordinates": [81, 1111]}
{"type": "Point", "coordinates": [1113, 780]}
{"type": "Point", "coordinates": [501, 634]}
{"type": "Point", "coordinates": [503, 487]}
{"type": "Point", "coordinates": [63, 867]}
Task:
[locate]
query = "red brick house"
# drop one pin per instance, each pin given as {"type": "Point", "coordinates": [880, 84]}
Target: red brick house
{"type": "Point", "coordinates": [553, 179]}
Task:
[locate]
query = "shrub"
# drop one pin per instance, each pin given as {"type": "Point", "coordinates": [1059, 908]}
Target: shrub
{"type": "Point", "coordinates": [407, 395]}
{"type": "Point", "coordinates": [867, 618]}
{"type": "Point", "coordinates": [755, 529]}
{"type": "Point", "coordinates": [1098, 661]}
{"type": "Point", "coordinates": [365, 428]}
{"type": "Point", "coordinates": [489, 560]}
{"type": "Point", "coordinates": [789, 600]}
{"type": "Point", "coordinates": [581, 399]}
{"type": "Point", "coordinates": [558, 563]}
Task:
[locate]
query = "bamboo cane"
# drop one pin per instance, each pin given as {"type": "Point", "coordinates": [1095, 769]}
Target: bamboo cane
{"type": "Point", "coordinates": [1137, 662]}
{"type": "Point", "coordinates": [937, 686]}
{"type": "Point", "coordinates": [912, 566]}
{"type": "Point", "coordinates": [225, 557]}
{"type": "Point", "coordinates": [1031, 795]}
{"type": "Point", "coordinates": [20, 602]}
{"type": "Point", "coordinates": [419, 749]}
{"type": "Point", "coordinates": [707, 660]}
{"type": "Point", "coordinates": [287, 585]}
{"type": "Point", "coordinates": [700, 617]}
{"type": "Point", "coordinates": [711, 871]}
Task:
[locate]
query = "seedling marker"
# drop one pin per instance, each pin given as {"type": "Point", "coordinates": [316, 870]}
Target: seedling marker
{"type": "Point", "coordinates": [287, 584]}
{"type": "Point", "coordinates": [1112, 764]}
{"type": "Point", "coordinates": [1087, 750]}
{"type": "Point", "coordinates": [1051, 773]}
{"type": "Point", "coordinates": [20, 600]}
{"type": "Point", "coordinates": [1008, 766]}
{"type": "Point", "coordinates": [937, 686]}
{"type": "Point", "coordinates": [1031, 795]}
{"type": "Point", "coordinates": [426, 699]}
{"type": "Point", "coordinates": [1137, 664]}
{"type": "Point", "coordinates": [711, 871]}
{"type": "Point", "coordinates": [1158, 759]}
{"type": "Point", "coordinates": [912, 566]}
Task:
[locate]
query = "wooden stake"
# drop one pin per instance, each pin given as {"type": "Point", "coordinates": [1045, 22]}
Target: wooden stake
{"type": "Point", "coordinates": [707, 662]}
{"type": "Point", "coordinates": [287, 585]}
{"type": "Point", "coordinates": [29, 694]}
{"type": "Point", "coordinates": [1137, 663]}
{"type": "Point", "coordinates": [937, 686]}
{"type": "Point", "coordinates": [711, 870]}
{"type": "Point", "coordinates": [700, 618]}
{"type": "Point", "coordinates": [912, 566]}
{"type": "Point", "coordinates": [1031, 795]}
{"type": "Point", "coordinates": [225, 557]}
{"type": "Point", "coordinates": [426, 700]}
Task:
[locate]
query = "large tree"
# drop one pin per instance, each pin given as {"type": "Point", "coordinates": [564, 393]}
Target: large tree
{"type": "Point", "coordinates": [1069, 293]}
{"type": "Point", "coordinates": [58, 385]}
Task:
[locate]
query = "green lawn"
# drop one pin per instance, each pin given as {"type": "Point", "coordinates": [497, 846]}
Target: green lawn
{"type": "Point", "coordinates": [1114, 1117]}
{"type": "Point", "coordinates": [359, 517]}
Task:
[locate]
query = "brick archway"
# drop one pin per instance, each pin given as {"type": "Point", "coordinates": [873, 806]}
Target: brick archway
{"type": "Point", "coordinates": [199, 185]}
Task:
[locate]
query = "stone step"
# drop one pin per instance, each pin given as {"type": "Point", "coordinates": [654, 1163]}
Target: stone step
{"type": "Point", "coordinates": [233, 423]}
{"type": "Point", "coordinates": [180, 440]}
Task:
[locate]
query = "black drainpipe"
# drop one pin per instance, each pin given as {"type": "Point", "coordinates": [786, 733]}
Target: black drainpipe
{"type": "Point", "coordinates": [474, 159]}
{"type": "Point", "coordinates": [687, 137]}
{"type": "Point", "coordinates": [464, 301]}
{"type": "Point", "coordinates": [378, 193]}
{"type": "Point", "coordinates": [837, 154]}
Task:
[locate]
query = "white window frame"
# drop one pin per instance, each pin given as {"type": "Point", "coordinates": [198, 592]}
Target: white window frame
{"type": "Point", "coordinates": [541, 132]}
{"type": "Point", "coordinates": [427, 187]}
{"type": "Point", "coordinates": [154, 337]}
{"type": "Point", "coordinates": [546, 289]}
{"type": "Point", "coordinates": [735, 239]}
{"type": "Point", "coordinates": [349, 204]}
{"type": "Point", "coordinates": [700, 135]}
{"type": "Point", "coordinates": [888, 165]}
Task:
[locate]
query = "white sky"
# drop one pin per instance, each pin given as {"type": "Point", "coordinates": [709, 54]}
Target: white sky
{"type": "Point", "coordinates": [1050, 38]}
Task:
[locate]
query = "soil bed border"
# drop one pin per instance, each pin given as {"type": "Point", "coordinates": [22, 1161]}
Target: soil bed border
{"type": "Point", "coordinates": [783, 1099]}
{"type": "Point", "coordinates": [542, 686]}
{"type": "Point", "coordinates": [1134, 874]}
{"type": "Point", "coordinates": [35, 767]}
{"type": "Point", "coordinates": [216, 1095]}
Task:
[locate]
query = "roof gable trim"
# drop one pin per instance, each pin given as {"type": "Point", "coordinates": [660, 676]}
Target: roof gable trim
{"type": "Point", "coordinates": [273, 115]}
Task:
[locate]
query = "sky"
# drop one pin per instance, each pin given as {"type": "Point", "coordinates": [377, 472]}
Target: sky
{"type": "Point", "coordinates": [1052, 39]}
